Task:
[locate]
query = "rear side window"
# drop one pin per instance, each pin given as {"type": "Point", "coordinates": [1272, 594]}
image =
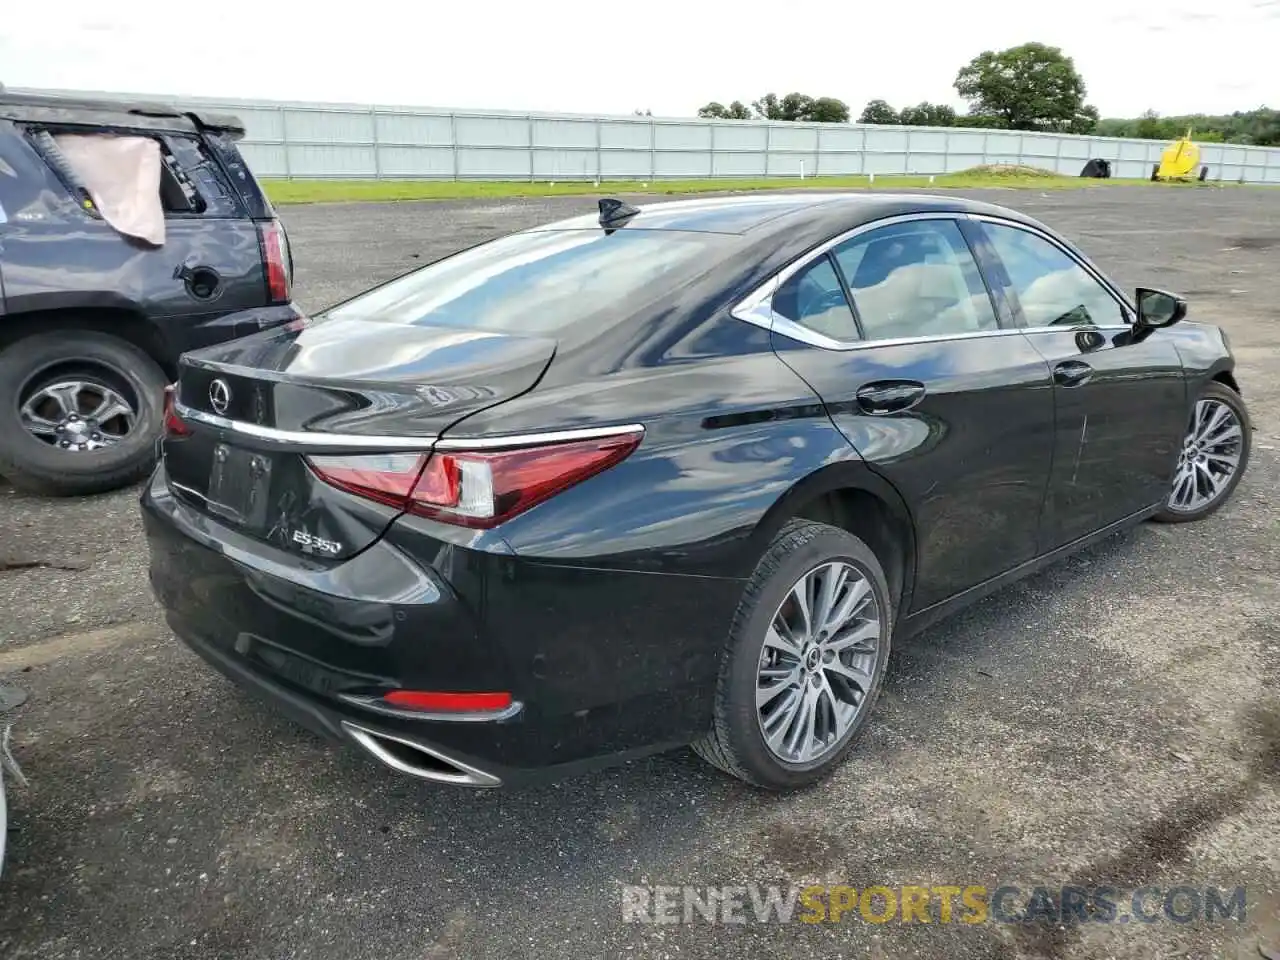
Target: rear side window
{"type": "Point", "coordinates": [189, 183]}
{"type": "Point", "coordinates": [543, 281]}
{"type": "Point", "coordinates": [915, 279]}
{"type": "Point", "coordinates": [814, 299]}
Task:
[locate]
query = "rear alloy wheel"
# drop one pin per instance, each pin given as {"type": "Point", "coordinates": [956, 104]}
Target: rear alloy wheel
{"type": "Point", "coordinates": [817, 663]}
{"type": "Point", "coordinates": [79, 412]}
{"type": "Point", "coordinates": [805, 661]}
{"type": "Point", "coordinates": [1213, 458]}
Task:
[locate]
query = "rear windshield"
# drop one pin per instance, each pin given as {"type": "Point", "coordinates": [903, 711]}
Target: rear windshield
{"type": "Point", "coordinates": [540, 282]}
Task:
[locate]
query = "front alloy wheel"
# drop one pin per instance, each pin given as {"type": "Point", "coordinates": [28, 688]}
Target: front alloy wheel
{"type": "Point", "coordinates": [1213, 457]}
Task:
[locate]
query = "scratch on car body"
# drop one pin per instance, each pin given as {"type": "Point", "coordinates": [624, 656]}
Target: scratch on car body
{"type": "Point", "coordinates": [1084, 429]}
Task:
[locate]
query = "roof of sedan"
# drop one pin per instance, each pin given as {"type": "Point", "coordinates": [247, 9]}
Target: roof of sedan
{"type": "Point", "coordinates": [741, 214]}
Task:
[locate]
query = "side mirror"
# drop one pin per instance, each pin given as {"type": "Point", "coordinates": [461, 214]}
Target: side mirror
{"type": "Point", "coordinates": [1157, 309]}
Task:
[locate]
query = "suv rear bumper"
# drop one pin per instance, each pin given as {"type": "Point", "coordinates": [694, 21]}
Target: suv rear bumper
{"type": "Point", "coordinates": [185, 333]}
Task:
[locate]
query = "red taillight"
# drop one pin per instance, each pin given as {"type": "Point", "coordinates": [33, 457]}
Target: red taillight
{"type": "Point", "coordinates": [275, 250]}
{"type": "Point", "coordinates": [447, 702]}
{"type": "Point", "coordinates": [174, 425]}
{"type": "Point", "coordinates": [475, 488]}
{"type": "Point", "coordinates": [385, 477]}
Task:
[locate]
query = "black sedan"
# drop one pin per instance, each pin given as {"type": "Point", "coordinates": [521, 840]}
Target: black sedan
{"type": "Point", "coordinates": [666, 476]}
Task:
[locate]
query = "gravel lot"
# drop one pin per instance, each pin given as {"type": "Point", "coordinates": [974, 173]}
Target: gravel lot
{"type": "Point", "coordinates": [1113, 720]}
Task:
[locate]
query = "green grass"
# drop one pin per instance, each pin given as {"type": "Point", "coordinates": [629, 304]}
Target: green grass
{"type": "Point", "coordinates": [331, 191]}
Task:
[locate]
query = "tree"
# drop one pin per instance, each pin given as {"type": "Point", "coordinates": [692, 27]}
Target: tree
{"type": "Point", "coordinates": [1031, 87]}
{"type": "Point", "coordinates": [646, 112]}
{"type": "Point", "coordinates": [718, 111]}
{"type": "Point", "coordinates": [828, 110]}
{"type": "Point", "coordinates": [800, 106]}
{"type": "Point", "coordinates": [928, 115]}
{"type": "Point", "coordinates": [878, 111]}
{"type": "Point", "coordinates": [791, 107]}
{"type": "Point", "coordinates": [1260, 127]}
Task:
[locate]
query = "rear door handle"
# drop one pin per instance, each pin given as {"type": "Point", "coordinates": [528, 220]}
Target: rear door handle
{"type": "Point", "coordinates": [890, 396]}
{"type": "Point", "coordinates": [1072, 373]}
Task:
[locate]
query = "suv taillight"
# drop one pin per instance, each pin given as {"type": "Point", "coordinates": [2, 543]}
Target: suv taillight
{"type": "Point", "coordinates": [278, 263]}
{"type": "Point", "coordinates": [474, 488]}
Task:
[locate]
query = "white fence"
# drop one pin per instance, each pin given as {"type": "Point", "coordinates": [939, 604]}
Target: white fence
{"type": "Point", "coordinates": [345, 141]}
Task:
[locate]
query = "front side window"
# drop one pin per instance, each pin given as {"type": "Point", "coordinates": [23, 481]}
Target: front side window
{"type": "Point", "coordinates": [1054, 290]}
{"type": "Point", "coordinates": [915, 279]}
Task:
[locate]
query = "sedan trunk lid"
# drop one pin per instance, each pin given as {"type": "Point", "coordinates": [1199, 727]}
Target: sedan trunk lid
{"type": "Point", "coordinates": [253, 409]}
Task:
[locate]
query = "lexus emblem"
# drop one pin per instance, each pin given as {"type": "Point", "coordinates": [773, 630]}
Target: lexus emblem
{"type": "Point", "coordinates": [219, 395]}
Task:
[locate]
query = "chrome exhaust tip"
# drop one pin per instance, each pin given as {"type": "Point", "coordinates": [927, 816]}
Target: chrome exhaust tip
{"type": "Point", "coordinates": [418, 760]}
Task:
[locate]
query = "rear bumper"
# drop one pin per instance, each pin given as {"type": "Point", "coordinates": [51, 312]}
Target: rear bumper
{"type": "Point", "coordinates": [314, 637]}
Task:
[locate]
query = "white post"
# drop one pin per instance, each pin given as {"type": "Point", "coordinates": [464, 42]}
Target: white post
{"type": "Point", "coordinates": [801, 169]}
{"type": "Point", "coordinates": [871, 178]}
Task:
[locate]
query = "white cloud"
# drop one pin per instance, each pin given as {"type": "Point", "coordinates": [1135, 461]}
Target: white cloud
{"type": "Point", "coordinates": [668, 56]}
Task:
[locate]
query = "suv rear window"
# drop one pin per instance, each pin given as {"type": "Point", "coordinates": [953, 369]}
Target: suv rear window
{"type": "Point", "coordinates": [542, 281]}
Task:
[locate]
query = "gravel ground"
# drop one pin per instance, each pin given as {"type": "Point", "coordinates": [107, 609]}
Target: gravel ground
{"type": "Point", "coordinates": [1113, 720]}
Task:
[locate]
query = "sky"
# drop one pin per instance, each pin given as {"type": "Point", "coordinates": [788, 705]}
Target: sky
{"type": "Point", "coordinates": [1179, 56]}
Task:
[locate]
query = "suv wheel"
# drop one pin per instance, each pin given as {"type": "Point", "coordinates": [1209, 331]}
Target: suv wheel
{"type": "Point", "coordinates": [805, 660]}
{"type": "Point", "coordinates": [80, 412]}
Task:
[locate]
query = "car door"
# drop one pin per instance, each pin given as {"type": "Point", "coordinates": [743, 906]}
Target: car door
{"type": "Point", "coordinates": [1121, 405]}
{"type": "Point", "coordinates": [896, 331]}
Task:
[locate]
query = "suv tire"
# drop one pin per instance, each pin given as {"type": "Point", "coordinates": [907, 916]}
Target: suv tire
{"type": "Point", "coordinates": [102, 362]}
{"type": "Point", "coordinates": [737, 741]}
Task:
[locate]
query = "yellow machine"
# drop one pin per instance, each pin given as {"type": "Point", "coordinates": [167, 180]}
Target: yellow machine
{"type": "Point", "coordinates": [1179, 161]}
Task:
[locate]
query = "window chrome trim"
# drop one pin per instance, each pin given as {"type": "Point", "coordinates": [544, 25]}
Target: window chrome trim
{"type": "Point", "coordinates": [1082, 328]}
{"type": "Point", "coordinates": [355, 441]}
{"type": "Point", "coordinates": [1075, 256]}
{"type": "Point", "coordinates": [756, 307]}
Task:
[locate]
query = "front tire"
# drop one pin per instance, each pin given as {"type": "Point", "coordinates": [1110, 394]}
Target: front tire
{"type": "Point", "coordinates": [80, 412]}
{"type": "Point", "coordinates": [1214, 455]}
{"type": "Point", "coordinates": [805, 659]}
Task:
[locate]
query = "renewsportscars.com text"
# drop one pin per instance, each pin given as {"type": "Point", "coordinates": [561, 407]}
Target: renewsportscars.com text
{"type": "Point", "coordinates": [939, 903]}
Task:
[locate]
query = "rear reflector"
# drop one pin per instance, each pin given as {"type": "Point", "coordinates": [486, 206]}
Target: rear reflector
{"type": "Point", "coordinates": [475, 488]}
{"type": "Point", "coordinates": [174, 425]}
{"type": "Point", "coordinates": [447, 702]}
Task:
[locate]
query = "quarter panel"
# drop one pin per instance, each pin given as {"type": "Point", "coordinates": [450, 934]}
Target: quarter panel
{"type": "Point", "coordinates": [725, 439]}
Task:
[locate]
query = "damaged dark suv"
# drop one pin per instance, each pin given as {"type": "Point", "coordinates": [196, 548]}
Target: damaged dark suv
{"type": "Point", "coordinates": [129, 234]}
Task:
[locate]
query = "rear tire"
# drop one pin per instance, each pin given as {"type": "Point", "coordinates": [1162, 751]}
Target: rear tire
{"type": "Point", "coordinates": [108, 366]}
{"type": "Point", "coordinates": [1213, 393]}
{"type": "Point", "coordinates": [737, 742]}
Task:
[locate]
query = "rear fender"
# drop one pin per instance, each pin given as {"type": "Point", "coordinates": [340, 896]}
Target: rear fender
{"type": "Point", "coordinates": [839, 477]}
